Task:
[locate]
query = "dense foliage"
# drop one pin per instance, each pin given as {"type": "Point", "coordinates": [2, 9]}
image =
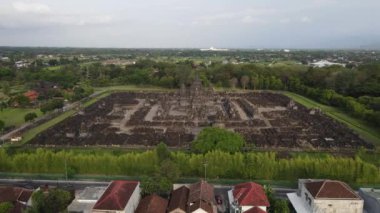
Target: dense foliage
{"type": "Point", "coordinates": [53, 201]}
{"type": "Point", "coordinates": [252, 165]}
{"type": "Point", "coordinates": [276, 205]}
{"type": "Point", "coordinates": [52, 105]}
{"type": "Point", "coordinates": [2, 125]}
{"type": "Point", "coordinates": [212, 138]}
{"type": "Point", "coordinates": [30, 116]}
{"type": "Point", "coordinates": [6, 207]}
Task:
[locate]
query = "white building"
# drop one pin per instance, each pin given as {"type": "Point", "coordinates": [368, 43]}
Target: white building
{"type": "Point", "coordinates": [325, 196]}
{"type": "Point", "coordinates": [248, 198]}
{"type": "Point", "coordinates": [120, 197]}
{"type": "Point", "coordinates": [325, 63]}
{"type": "Point", "coordinates": [85, 200]}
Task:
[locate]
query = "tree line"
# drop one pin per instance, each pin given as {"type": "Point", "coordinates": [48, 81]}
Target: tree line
{"type": "Point", "coordinates": [252, 165]}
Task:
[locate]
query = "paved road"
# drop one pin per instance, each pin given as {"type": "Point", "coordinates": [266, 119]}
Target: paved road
{"type": "Point", "coordinates": [33, 184]}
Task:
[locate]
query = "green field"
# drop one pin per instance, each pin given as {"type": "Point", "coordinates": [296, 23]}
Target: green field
{"type": "Point", "coordinates": [366, 131]}
{"type": "Point", "coordinates": [15, 116]}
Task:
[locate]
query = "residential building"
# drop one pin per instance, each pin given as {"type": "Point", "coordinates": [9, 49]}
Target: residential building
{"type": "Point", "coordinates": [196, 198]}
{"type": "Point", "coordinates": [32, 95]}
{"type": "Point", "coordinates": [371, 199]}
{"type": "Point", "coordinates": [85, 200]}
{"type": "Point", "coordinates": [19, 197]}
{"type": "Point", "coordinates": [120, 196]}
{"type": "Point", "coordinates": [178, 200]}
{"type": "Point", "coordinates": [152, 204]}
{"type": "Point", "coordinates": [201, 198]}
{"type": "Point", "coordinates": [248, 197]}
{"type": "Point", "coordinates": [325, 196]}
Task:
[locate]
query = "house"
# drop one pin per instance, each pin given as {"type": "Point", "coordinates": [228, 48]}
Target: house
{"type": "Point", "coordinates": [178, 200]}
{"type": "Point", "coordinates": [248, 197]}
{"type": "Point", "coordinates": [19, 197]}
{"type": "Point", "coordinates": [195, 198]}
{"type": "Point", "coordinates": [152, 204]}
{"type": "Point", "coordinates": [371, 199]}
{"type": "Point", "coordinates": [120, 196]}
{"type": "Point", "coordinates": [325, 196]}
{"type": "Point", "coordinates": [85, 200]}
{"type": "Point", "coordinates": [32, 95]}
{"type": "Point", "coordinates": [201, 198]}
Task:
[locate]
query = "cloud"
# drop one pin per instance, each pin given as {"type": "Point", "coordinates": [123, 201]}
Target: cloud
{"type": "Point", "coordinates": [33, 15]}
{"type": "Point", "coordinates": [305, 19]}
{"type": "Point", "coordinates": [30, 7]}
{"type": "Point", "coordinates": [285, 20]}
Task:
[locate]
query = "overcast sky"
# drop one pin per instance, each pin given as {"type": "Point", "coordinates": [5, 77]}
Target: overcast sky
{"type": "Point", "coordinates": [190, 23]}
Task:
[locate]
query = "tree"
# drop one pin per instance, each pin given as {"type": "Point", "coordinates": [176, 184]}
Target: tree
{"type": "Point", "coordinates": [157, 185]}
{"type": "Point", "coordinates": [212, 138]}
{"type": "Point", "coordinates": [2, 125]}
{"type": "Point", "coordinates": [233, 82]}
{"type": "Point", "coordinates": [51, 105]}
{"type": "Point", "coordinates": [168, 169]}
{"type": "Point", "coordinates": [6, 207]}
{"type": "Point", "coordinates": [162, 152]}
{"type": "Point", "coordinates": [30, 116]}
{"type": "Point", "coordinates": [280, 206]}
{"type": "Point", "coordinates": [244, 80]}
{"type": "Point", "coordinates": [21, 100]}
{"type": "Point", "coordinates": [56, 200]}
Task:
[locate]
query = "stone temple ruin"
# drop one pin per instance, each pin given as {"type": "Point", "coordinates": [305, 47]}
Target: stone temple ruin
{"type": "Point", "coordinates": [265, 119]}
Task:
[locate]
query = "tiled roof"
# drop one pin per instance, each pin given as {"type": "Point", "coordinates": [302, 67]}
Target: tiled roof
{"type": "Point", "coordinates": [15, 195]}
{"type": "Point", "coordinates": [255, 210]}
{"type": "Point", "coordinates": [25, 195]}
{"type": "Point", "coordinates": [201, 190]}
{"type": "Point", "coordinates": [201, 204]}
{"type": "Point", "coordinates": [330, 189]}
{"type": "Point", "coordinates": [178, 199]}
{"type": "Point", "coordinates": [11, 194]}
{"type": "Point", "coordinates": [250, 194]}
{"type": "Point", "coordinates": [116, 195]}
{"type": "Point", "coordinates": [152, 204]}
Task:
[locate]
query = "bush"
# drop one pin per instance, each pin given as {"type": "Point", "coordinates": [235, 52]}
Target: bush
{"type": "Point", "coordinates": [30, 116]}
{"type": "Point", "coordinates": [52, 105]}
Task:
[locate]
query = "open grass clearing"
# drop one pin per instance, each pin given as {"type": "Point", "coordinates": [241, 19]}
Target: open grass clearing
{"type": "Point", "coordinates": [15, 116]}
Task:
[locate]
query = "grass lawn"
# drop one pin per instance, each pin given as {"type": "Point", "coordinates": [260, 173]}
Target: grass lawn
{"type": "Point", "coordinates": [15, 116]}
{"type": "Point", "coordinates": [366, 131]}
{"type": "Point", "coordinates": [53, 68]}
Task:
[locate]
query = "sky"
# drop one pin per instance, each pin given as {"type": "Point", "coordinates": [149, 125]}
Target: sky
{"type": "Point", "coordinates": [316, 24]}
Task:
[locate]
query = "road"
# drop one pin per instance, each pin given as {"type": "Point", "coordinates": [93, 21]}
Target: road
{"type": "Point", "coordinates": [33, 184]}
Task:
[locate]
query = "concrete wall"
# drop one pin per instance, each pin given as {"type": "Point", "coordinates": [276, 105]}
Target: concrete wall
{"type": "Point", "coordinates": [338, 206]}
{"type": "Point", "coordinates": [134, 200]}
